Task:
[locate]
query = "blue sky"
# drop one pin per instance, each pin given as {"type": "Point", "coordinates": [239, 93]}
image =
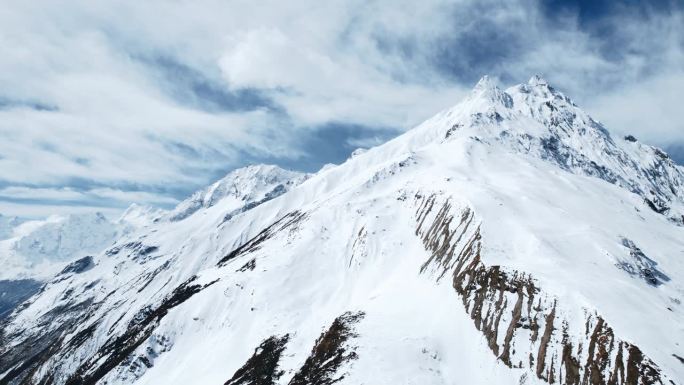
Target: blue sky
{"type": "Point", "coordinates": [107, 103]}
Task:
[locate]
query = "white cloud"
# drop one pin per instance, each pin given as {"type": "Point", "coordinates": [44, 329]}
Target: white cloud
{"type": "Point", "coordinates": [40, 211]}
{"type": "Point", "coordinates": [17, 192]}
{"type": "Point", "coordinates": [132, 196]}
{"type": "Point", "coordinates": [121, 123]}
{"type": "Point", "coordinates": [650, 110]}
{"type": "Point", "coordinates": [317, 85]}
{"type": "Point", "coordinates": [98, 197]}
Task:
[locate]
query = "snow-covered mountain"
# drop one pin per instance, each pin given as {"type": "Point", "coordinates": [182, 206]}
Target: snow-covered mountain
{"type": "Point", "coordinates": [139, 216]}
{"type": "Point", "coordinates": [507, 240]}
{"type": "Point", "coordinates": [38, 249]}
{"type": "Point", "coordinates": [7, 225]}
{"type": "Point", "coordinates": [33, 251]}
{"type": "Point", "coordinates": [241, 190]}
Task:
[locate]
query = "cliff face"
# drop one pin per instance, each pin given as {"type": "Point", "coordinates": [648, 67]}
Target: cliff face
{"type": "Point", "coordinates": [524, 326]}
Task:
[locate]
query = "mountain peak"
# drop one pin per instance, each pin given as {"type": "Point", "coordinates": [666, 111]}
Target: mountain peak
{"type": "Point", "coordinates": [535, 119]}
{"type": "Point", "coordinates": [486, 90]}
{"type": "Point", "coordinates": [537, 80]}
{"type": "Point", "coordinates": [485, 83]}
{"type": "Point", "coordinates": [139, 215]}
{"type": "Point", "coordinates": [246, 187]}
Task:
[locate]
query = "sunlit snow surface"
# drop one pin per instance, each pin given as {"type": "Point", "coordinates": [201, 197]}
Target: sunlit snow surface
{"type": "Point", "coordinates": [357, 238]}
{"type": "Point", "coordinates": [37, 249]}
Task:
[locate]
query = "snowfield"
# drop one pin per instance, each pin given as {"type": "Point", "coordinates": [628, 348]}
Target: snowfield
{"type": "Point", "coordinates": [507, 240]}
{"type": "Point", "coordinates": [38, 249]}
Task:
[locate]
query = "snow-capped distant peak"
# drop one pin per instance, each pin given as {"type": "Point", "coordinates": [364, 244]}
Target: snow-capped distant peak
{"type": "Point", "coordinates": [139, 216]}
{"type": "Point", "coordinates": [8, 224]}
{"type": "Point", "coordinates": [486, 92]}
{"type": "Point", "coordinates": [485, 83]}
{"type": "Point", "coordinates": [36, 249]}
{"type": "Point", "coordinates": [537, 80]}
{"type": "Point", "coordinates": [241, 190]}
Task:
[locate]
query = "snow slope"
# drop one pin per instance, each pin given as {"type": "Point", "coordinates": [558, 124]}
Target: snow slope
{"type": "Point", "coordinates": [507, 240]}
{"type": "Point", "coordinates": [38, 249]}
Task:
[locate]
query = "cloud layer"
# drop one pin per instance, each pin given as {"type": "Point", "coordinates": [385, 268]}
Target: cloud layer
{"type": "Point", "coordinates": [103, 104]}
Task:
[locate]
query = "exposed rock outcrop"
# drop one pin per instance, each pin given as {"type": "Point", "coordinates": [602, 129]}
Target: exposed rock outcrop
{"type": "Point", "coordinates": [524, 326]}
